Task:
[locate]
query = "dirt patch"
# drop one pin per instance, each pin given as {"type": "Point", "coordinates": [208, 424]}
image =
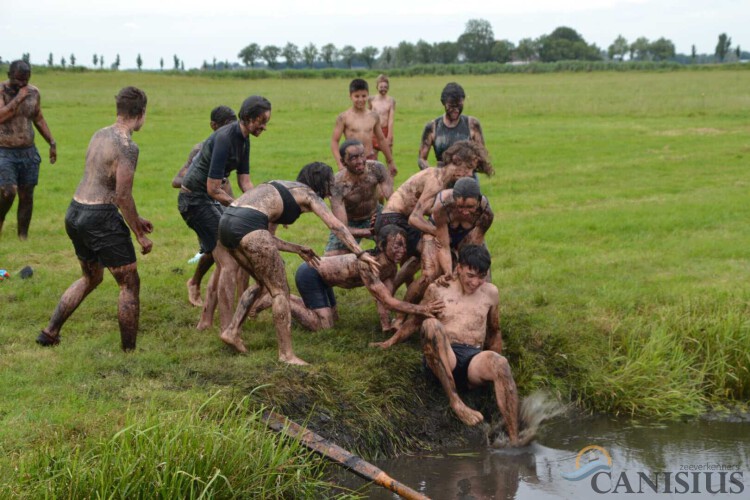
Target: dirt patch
{"type": "Point", "coordinates": [688, 131]}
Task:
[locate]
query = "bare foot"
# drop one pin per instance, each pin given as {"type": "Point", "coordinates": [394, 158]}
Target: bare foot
{"type": "Point", "coordinates": [234, 341]}
{"type": "Point", "coordinates": [382, 345]}
{"type": "Point", "coordinates": [203, 325]}
{"type": "Point", "coordinates": [292, 360]}
{"type": "Point", "coordinates": [466, 414]}
{"type": "Point", "coordinates": [194, 293]}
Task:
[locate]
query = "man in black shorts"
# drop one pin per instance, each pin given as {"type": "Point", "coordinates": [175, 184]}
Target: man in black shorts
{"type": "Point", "coordinates": [98, 230]}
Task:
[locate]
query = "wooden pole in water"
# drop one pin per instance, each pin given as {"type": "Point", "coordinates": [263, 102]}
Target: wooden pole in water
{"type": "Point", "coordinates": [317, 443]}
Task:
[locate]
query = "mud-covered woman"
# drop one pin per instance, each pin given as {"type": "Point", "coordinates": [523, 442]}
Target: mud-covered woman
{"type": "Point", "coordinates": [246, 231]}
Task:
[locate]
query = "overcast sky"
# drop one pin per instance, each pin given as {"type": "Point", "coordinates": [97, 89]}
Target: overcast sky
{"type": "Point", "coordinates": [198, 31]}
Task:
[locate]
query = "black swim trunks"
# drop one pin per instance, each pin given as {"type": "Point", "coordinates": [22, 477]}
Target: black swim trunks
{"type": "Point", "coordinates": [314, 291]}
{"type": "Point", "coordinates": [202, 214]}
{"type": "Point", "coordinates": [236, 222]}
{"type": "Point", "coordinates": [464, 354]}
{"type": "Point", "coordinates": [99, 234]}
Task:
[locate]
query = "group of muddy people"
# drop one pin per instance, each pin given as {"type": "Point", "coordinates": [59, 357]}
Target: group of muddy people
{"type": "Point", "coordinates": [429, 233]}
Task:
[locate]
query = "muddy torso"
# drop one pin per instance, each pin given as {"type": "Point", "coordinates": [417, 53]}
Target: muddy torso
{"type": "Point", "coordinates": [18, 131]}
{"type": "Point", "coordinates": [360, 194]}
{"type": "Point", "coordinates": [107, 149]}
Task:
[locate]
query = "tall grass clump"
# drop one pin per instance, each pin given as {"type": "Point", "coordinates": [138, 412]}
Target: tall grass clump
{"type": "Point", "coordinates": [213, 451]}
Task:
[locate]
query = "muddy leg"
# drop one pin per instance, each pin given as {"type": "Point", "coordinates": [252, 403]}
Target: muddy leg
{"type": "Point", "coordinates": [128, 306]}
{"type": "Point", "coordinates": [441, 360]}
{"type": "Point", "coordinates": [491, 367]}
{"type": "Point", "coordinates": [282, 319]}
{"type": "Point", "coordinates": [227, 284]}
{"type": "Point", "coordinates": [7, 196]}
{"type": "Point", "coordinates": [93, 273]}
{"type": "Point", "coordinates": [25, 208]}
{"type": "Point", "coordinates": [209, 306]}
{"type": "Point", "coordinates": [231, 335]}
{"type": "Point", "coordinates": [194, 283]}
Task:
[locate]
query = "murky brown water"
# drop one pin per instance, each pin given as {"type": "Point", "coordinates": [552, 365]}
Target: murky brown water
{"type": "Point", "coordinates": [687, 459]}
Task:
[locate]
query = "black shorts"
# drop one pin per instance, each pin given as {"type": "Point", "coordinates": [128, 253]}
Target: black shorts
{"type": "Point", "coordinates": [314, 291]}
{"type": "Point", "coordinates": [464, 354]}
{"type": "Point", "coordinates": [99, 234]}
{"type": "Point", "coordinates": [237, 222]}
{"type": "Point", "coordinates": [202, 214]}
{"type": "Point", "coordinates": [413, 235]}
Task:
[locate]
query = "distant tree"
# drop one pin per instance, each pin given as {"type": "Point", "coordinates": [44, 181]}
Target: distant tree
{"type": "Point", "coordinates": [291, 54]}
{"type": "Point", "coordinates": [445, 52]}
{"type": "Point", "coordinates": [387, 57]}
{"type": "Point", "coordinates": [101, 61]}
{"type": "Point", "coordinates": [182, 65]}
{"type": "Point", "coordinates": [50, 61]}
{"type": "Point", "coordinates": [309, 54]}
{"type": "Point", "coordinates": [204, 66]}
{"type": "Point", "coordinates": [26, 57]}
{"type": "Point", "coordinates": [95, 60]}
{"type": "Point", "coordinates": [270, 53]}
{"type": "Point", "coordinates": [662, 49]}
{"type": "Point", "coordinates": [722, 48]}
{"type": "Point", "coordinates": [618, 49]}
{"type": "Point", "coordinates": [527, 50]}
{"type": "Point", "coordinates": [161, 63]}
{"type": "Point", "coordinates": [139, 62]}
{"type": "Point", "coordinates": [329, 53]}
{"type": "Point", "coordinates": [640, 49]}
{"type": "Point", "coordinates": [502, 51]}
{"type": "Point", "coordinates": [348, 53]}
{"type": "Point", "coordinates": [423, 52]}
{"type": "Point", "coordinates": [477, 40]}
{"type": "Point", "coordinates": [738, 53]}
{"type": "Point", "coordinates": [693, 54]}
{"type": "Point", "coordinates": [250, 54]}
{"type": "Point", "coordinates": [406, 53]}
{"type": "Point", "coordinates": [63, 62]}
{"type": "Point", "coordinates": [369, 54]}
{"type": "Point", "coordinates": [565, 44]}
{"type": "Point", "coordinates": [72, 60]}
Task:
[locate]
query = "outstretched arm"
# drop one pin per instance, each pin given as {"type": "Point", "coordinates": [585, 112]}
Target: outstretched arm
{"type": "Point", "coordinates": [382, 294]}
{"type": "Point", "coordinates": [428, 137]}
{"type": "Point", "coordinates": [412, 323]}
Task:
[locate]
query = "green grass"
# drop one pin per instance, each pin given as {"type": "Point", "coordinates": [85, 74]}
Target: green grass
{"type": "Point", "coordinates": [621, 248]}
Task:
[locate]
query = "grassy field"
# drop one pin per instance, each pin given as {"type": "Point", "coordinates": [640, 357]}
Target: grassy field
{"type": "Point", "coordinates": [621, 247]}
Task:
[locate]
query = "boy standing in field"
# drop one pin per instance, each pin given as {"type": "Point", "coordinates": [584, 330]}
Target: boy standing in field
{"type": "Point", "coordinates": [385, 106]}
{"type": "Point", "coordinates": [361, 124]}
{"type": "Point", "coordinates": [96, 221]}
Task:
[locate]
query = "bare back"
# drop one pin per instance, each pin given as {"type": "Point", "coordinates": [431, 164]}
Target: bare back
{"type": "Point", "coordinates": [465, 316]}
{"type": "Point", "coordinates": [423, 184]}
{"type": "Point", "coordinates": [18, 131]}
{"type": "Point", "coordinates": [108, 149]}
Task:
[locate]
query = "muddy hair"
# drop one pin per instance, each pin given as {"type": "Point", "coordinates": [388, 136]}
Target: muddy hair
{"type": "Point", "coordinates": [253, 107]}
{"type": "Point", "coordinates": [358, 84]}
{"type": "Point", "coordinates": [347, 144]}
{"type": "Point", "coordinates": [382, 78]}
{"type": "Point", "coordinates": [19, 67]}
{"type": "Point", "coordinates": [475, 257]}
{"type": "Point", "coordinates": [387, 232]}
{"type": "Point", "coordinates": [131, 102]}
{"type": "Point", "coordinates": [221, 115]}
{"type": "Point", "coordinates": [466, 187]}
{"type": "Point", "coordinates": [317, 176]}
{"type": "Point", "coordinates": [452, 92]}
{"type": "Point", "coordinates": [470, 153]}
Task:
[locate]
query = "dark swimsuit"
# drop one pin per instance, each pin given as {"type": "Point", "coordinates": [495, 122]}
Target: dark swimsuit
{"type": "Point", "coordinates": [236, 222]}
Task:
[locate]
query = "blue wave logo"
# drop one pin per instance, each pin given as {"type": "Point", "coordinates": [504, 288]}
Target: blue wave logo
{"type": "Point", "coordinates": [602, 462]}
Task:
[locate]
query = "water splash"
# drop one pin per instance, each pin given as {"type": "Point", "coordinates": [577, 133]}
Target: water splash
{"type": "Point", "coordinates": [535, 409]}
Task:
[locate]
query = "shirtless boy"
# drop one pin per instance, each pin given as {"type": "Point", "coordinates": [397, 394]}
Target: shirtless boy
{"type": "Point", "coordinates": [463, 347]}
{"type": "Point", "coordinates": [316, 309]}
{"type": "Point", "coordinates": [355, 194]}
{"type": "Point", "coordinates": [96, 227]}
{"type": "Point", "coordinates": [362, 124]}
{"type": "Point", "coordinates": [385, 106]}
{"type": "Point", "coordinates": [220, 116]}
{"type": "Point", "coordinates": [453, 126]}
{"type": "Point", "coordinates": [19, 158]}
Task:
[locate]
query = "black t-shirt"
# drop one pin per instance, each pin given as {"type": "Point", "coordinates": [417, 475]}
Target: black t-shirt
{"type": "Point", "coordinates": [224, 150]}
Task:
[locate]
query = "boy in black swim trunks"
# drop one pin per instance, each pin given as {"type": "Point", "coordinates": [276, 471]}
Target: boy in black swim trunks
{"type": "Point", "coordinates": [96, 221]}
{"type": "Point", "coordinates": [464, 346]}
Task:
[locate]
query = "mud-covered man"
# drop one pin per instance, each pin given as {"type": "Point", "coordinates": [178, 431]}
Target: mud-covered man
{"type": "Point", "coordinates": [96, 221]}
{"type": "Point", "coordinates": [385, 106]}
{"type": "Point", "coordinates": [463, 347]}
{"type": "Point", "coordinates": [453, 126]}
{"type": "Point", "coordinates": [361, 124]}
{"type": "Point", "coordinates": [316, 308]}
{"type": "Point", "coordinates": [19, 158]}
{"type": "Point", "coordinates": [355, 194]}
